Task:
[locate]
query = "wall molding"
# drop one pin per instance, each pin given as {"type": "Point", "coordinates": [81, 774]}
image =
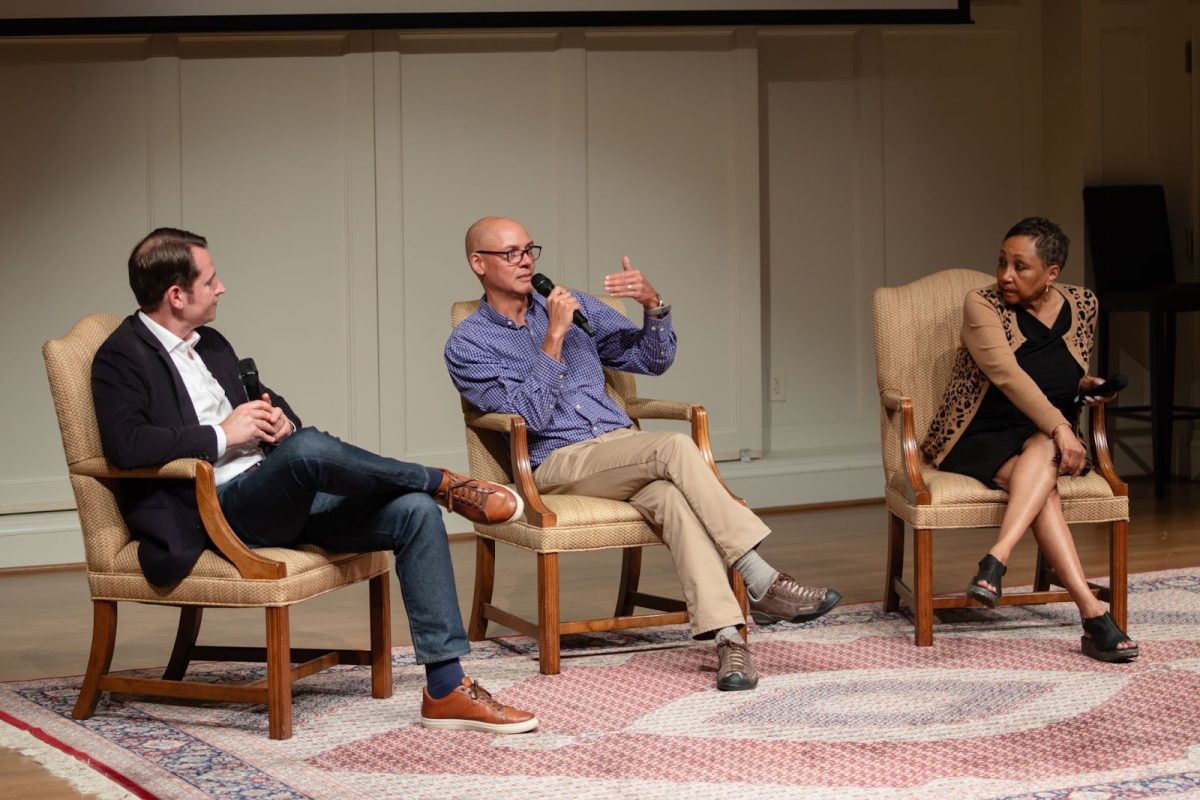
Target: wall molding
{"type": "Point", "coordinates": [26, 495]}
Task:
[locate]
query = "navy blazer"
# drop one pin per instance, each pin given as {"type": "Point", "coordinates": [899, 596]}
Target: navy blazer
{"type": "Point", "coordinates": [146, 417]}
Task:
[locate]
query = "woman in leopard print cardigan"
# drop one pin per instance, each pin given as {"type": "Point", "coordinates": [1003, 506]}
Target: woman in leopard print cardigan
{"type": "Point", "coordinates": [1006, 418]}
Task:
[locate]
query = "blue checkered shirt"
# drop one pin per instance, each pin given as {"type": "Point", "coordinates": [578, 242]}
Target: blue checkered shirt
{"type": "Point", "coordinates": [498, 365]}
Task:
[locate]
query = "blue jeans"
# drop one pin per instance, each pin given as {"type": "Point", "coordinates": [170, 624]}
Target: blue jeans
{"type": "Point", "coordinates": [316, 489]}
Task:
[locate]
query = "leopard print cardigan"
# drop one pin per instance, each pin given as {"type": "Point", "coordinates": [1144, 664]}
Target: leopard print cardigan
{"type": "Point", "coordinates": [968, 384]}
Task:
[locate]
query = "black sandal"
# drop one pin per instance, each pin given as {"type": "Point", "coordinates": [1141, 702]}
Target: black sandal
{"type": "Point", "coordinates": [1103, 637]}
{"type": "Point", "coordinates": [990, 570]}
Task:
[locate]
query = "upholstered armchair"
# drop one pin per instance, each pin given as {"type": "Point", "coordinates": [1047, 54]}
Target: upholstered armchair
{"type": "Point", "coordinates": [916, 340]}
{"type": "Point", "coordinates": [229, 576]}
{"type": "Point", "coordinates": [498, 450]}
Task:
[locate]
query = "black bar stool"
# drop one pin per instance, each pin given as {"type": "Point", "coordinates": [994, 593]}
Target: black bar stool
{"type": "Point", "coordinates": [1133, 270]}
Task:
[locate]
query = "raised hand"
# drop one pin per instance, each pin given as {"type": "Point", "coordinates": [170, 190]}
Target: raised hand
{"type": "Point", "coordinates": [631, 283]}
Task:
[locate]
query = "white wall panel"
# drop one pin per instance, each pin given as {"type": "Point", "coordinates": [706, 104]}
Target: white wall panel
{"type": "Point", "coordinates": [473, 133]}
{"type": "Point", "coordinates": [821, 192]}
{"type": "Point", "coordinates": [75, 158]}
{"type": "Point", "coordinates": [666, 187]}
{"type": "Point", "coordinates": [955, 140]}
{"type": "Point", "coordinates": [274, 132]}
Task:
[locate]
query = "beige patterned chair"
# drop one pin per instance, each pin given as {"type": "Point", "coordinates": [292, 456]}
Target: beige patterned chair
{"type": "Point", "coordinates": [271, 578]}
{"type": "Point", "coordinates": [498, 450]}
{"type": "Point", "coordinates": [916, 341]}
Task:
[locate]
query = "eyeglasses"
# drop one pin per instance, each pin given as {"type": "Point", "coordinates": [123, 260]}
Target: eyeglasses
{"type": "Point", "coordinates": [515, 255]}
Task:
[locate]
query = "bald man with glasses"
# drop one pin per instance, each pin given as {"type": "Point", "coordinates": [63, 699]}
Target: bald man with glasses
{"type": "Point", "coordinates": [521, 353]}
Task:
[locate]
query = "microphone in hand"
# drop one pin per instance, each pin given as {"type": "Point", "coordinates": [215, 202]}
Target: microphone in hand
{"type": "Point", "coordinates": [545, 286]}
{"type": "Point", "coordinates": [248, 373]}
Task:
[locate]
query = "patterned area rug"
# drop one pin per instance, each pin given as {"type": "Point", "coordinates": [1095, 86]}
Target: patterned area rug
{"type": "Point", "coordinates": [1002, 706]}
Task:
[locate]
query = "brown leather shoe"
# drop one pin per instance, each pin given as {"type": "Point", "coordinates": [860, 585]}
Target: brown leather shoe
{"type": "Point", "coordinates": [789, 601]}
{"type": "Point", "coordinates": [479, 501]}
{"type": "Point", "coordinates": [735, 670]}
{"type": "Point", "coordinates": [470, 708]}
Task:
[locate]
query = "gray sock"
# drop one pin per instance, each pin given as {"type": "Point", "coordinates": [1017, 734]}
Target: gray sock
{"type": "Point", "coordinates": [757, 573]}
{"type": "Point", "coordinates": [729, 633]}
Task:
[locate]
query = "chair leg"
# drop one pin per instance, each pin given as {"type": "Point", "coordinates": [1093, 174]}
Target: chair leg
{"type": "Point", "coordinates": [547, 632]}
{"type": "Point", "coordinates": [485, 576]}
{"type": "Point", "coordinates": [185, 639]}
{"type": "Point", "coordinates": [631, 575]}
{"type": "Point", "coordinates": [923, 585]}
{"type": "Point", "coordinates": [894, 568]}
{"type": "Point", "coordinates": [279, 673]}
{"type": "Point", "coordinates": [1118, 572]}
{"type": "Point", "coordinates": [381, 636]}
{"type": "Point", "coordinates": [104, 636]}
{"type": "Point", "coordinates": [738, 584]}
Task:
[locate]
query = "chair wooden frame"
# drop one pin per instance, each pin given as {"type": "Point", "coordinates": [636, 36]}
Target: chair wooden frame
{"type": "Point", "coordinates": [284, 664]}
{"type": "Point", "coordinates": [920, 597]}
{"type": "Point", "coordinates": [919, 361]}
{"type": "Point", "coordinates": [548, 629]}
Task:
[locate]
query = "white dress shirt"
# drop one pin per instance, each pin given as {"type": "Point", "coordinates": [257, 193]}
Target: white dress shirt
{"type": "Point", "coordinates": [208, 398]}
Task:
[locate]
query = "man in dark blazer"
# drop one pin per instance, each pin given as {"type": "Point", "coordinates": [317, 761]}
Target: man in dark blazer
{"type": "Point", "coordinates": [166, 386]}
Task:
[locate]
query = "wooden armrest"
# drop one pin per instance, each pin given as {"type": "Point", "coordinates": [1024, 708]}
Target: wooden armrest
{"type": "Point", "coordinates": [248, 563]}
{"type": "Point", "coordinates": [699, 418]}
{"type": "Point", "coordinates": [1101, 457]}
{"type": "Point", "coordinates": [646, 408]}
{"type": "Point", "coordinates": [894, 402]}
{"type": "Point", "coordinates": [493, 421]}
{"type": "Point", "coordinates": [537, 512]}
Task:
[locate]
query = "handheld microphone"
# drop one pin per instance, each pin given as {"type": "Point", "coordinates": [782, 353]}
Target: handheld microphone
{"type": "Point", "coordinates": [544, 286]}
{"type": "Point", "coordinates": [248, 373]}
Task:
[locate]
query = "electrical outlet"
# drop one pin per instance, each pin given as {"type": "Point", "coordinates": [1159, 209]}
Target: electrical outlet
{"type": "Point", "coordinates": [778, 387]}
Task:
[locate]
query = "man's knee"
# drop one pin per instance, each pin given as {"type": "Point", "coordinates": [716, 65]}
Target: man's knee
{"type": "Point", "coordinates": [415, 514]}
{"type": "Point", "coordinates": [673, 444]}
{"type": "Point", "coordinates": [310, 443]}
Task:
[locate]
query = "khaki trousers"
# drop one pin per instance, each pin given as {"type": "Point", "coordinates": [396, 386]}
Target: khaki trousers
{"type": "Point", "coordinates": [665, 477]}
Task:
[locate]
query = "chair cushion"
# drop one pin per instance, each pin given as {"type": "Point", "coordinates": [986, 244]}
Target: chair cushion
{"type": "Point", "coordinates": [958, 501]}
{"type": "Point", "coordinates": [584, 523]}
{"type": "Point", "coordinates": [311, 571]}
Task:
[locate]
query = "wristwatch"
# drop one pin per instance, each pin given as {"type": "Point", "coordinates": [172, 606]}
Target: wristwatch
{"type": "Point", "coordinates": [659, 311]}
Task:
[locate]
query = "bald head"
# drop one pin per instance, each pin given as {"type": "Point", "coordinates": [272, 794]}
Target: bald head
{"type": "Point", "coordinates": [484, 232]}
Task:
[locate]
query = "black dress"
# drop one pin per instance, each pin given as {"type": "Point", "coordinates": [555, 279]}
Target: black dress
{"type": "Point", "coordinates": [999, 428]}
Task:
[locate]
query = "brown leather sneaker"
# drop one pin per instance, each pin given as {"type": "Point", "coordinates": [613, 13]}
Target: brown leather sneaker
{"type": "Point", "coordinates": [735, 670]}
{"type": "Point", "coordinates": [789, 601]}
{"type": "Point", "coordinates": [470, 708]}
{"type": "Point", "coordinates": [479, 501]}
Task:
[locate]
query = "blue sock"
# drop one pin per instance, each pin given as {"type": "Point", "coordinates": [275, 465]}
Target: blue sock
{"type": "Point", "coordinates": [433, 479]}
{"type": "Point", "coordinates": [443, 677]}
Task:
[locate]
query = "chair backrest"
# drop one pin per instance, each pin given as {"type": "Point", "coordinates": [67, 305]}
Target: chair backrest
{"type": "Point", "coordinates": [1129, 237]}
{"type": "Point", "coordinates": [69, 369]}
{"type": "Point", "coordinates": [917, 336]}
{"type": "Point", "coordinates": [487, 451]}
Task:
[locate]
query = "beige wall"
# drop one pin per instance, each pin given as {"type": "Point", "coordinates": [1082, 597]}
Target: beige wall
{"type": "Point", "coordinates": [766, 180]}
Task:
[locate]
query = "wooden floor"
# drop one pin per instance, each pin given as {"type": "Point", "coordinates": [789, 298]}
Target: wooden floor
{"type": "Point", "coordinates": [47, 625]}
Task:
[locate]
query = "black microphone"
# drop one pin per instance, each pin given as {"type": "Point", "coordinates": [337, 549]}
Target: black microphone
{"type": "Point", "coordinates": [545, 286]}
{"type": "Point", "coordinates": [248, 372]}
